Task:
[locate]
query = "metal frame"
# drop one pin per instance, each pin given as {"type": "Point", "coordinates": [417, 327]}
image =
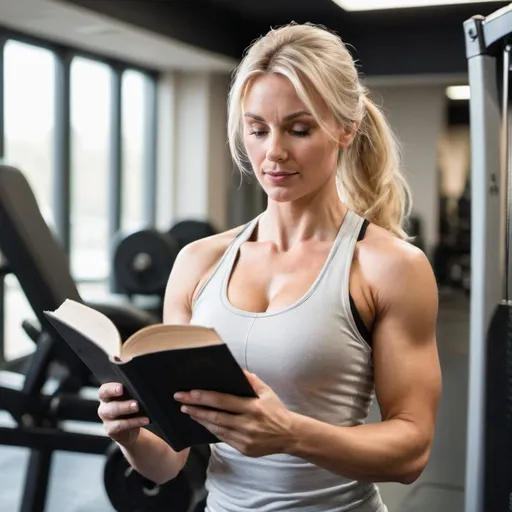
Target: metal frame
{"type": "Point", "coordinates": [484, 39]}
{"type": "Point", "coordinates": [62, 149]}
{"type": "Point", "coordinates": [2, 152]}
{"type": "Point", "coordinates": [116, 152]}
{"type": "Point", "coordinates": [151, 149]}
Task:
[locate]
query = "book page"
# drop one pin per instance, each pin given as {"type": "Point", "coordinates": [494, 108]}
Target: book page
{"type": "Point", "coordinates": [157, 338]}
{"type": "Point", "coordinates": [92, 324]}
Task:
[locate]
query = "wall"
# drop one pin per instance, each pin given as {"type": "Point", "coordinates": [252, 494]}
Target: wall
{"type": "Point", "coordinates": [194, 166]}
{"type": "Point", "coordinates": [417, 115]}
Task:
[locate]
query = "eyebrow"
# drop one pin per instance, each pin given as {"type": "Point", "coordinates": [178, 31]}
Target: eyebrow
{"type": "Point", "coordinates": [289, 117]}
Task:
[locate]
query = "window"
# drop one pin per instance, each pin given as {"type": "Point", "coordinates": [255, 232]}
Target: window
{"type": "Point", "coordinates": [29, 93]}
{"type": "Point", "coordinates": [133, 135]}
{"type": "Point", "coordinates": [29, 117]}
{"type": "Point", "coordinates": [29, 90]}
{"type": "Point", "coordinates": [90, 150]}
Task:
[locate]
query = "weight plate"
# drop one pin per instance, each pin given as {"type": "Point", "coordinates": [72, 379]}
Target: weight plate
{"type": "Point", "coordinates": [143, 261]}
{"type": "Point", "coordinates": [188, 231]}
{"type": "Point", "coordinates": [128, 491]}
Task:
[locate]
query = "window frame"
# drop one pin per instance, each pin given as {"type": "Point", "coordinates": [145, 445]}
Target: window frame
{"type": "Point", "coordinates": [61, 186]}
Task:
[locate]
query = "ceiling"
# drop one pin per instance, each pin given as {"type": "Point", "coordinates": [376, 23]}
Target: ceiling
{"type": "Point", "coordinates": [399, 42]}
{"type": "Point", "coordinates": [91, 31]}
{"type": "Point", "coordinates": [406, 44]}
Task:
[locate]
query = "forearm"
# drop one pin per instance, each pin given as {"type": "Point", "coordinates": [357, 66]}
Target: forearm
{"type": "Point", "coordinates": [392, 450]}
{"type": "Point", "coordinates": [153, 458]}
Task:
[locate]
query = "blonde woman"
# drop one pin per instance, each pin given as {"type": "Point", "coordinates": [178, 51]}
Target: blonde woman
{"type": "Point", "coordinates": [321, 299]}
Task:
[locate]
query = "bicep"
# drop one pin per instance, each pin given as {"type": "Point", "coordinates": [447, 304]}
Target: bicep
{"type": "Point", "coordinates": [406, 362]}
{"type": "Point", "coordinates": [180, 286]}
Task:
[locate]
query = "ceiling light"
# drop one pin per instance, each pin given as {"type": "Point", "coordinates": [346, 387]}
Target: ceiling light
{"type": "Point", "coordinates": [458, 92]}
{"type": "Point", "coordinates": [374, 5]}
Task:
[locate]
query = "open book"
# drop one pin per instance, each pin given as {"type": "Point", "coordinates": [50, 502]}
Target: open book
{"type": "Point", "coordinates": [153, 364]}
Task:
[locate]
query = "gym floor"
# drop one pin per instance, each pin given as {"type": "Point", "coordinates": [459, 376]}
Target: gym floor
{"type": "Point", "coordinates": [77, 485]}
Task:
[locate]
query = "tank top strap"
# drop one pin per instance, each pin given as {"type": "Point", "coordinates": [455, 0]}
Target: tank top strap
{"type": "Point", "coordinates": [223, 267]}
{"type": "Point", "coordinates": [338, 271]}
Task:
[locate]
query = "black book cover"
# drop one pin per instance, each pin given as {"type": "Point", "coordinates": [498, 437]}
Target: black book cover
{"type": "Point", "coordinates": [152, 379]}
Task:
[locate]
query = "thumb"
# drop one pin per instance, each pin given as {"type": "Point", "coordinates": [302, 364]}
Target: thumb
{"type": "Point", "coordinates": [257, 384]}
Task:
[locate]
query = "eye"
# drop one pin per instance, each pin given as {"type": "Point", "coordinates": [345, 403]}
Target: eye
{"type": "Point", "coordinates": [258, 133]}
{"type": "Point", "coordinates": [301, 133]}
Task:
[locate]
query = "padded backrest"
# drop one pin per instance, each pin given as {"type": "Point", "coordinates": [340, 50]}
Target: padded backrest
{"type": "Point", "coordinates": [34, 254]}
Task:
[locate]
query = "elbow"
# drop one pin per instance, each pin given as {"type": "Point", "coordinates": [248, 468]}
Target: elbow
{"type": "Point", "coordinates": [174, 469]}
{"type": "Point", "coordinates": [414, 469]}
{"type": "Point", "coordinates": [163, 478]}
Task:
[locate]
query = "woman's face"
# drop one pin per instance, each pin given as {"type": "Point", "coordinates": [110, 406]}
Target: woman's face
{"type": "Point", "coordinates": [290, 153]}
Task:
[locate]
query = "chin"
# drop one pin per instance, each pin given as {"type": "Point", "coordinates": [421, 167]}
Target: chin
{"type": "Point", "coordinates": [281, 196]}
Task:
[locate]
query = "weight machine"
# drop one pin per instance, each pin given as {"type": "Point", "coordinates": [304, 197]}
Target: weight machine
{"type": "Point", "coordinates": [50, 389]}
{"type": "Point", "coordinates": [489, 438]}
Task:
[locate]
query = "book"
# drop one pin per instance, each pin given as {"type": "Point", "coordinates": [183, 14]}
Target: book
{"type": "Point", "coordinates": [153, 364]}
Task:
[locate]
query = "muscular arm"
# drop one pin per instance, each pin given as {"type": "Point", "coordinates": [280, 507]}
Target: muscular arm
{"type": "Point", "coordinates": [407, 384]}
{"type": "Point", "coordinates": [150, 455]}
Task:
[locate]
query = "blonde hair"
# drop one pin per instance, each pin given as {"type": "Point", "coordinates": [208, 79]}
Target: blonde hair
{"type": "Point", "coordinates": [317, 62]}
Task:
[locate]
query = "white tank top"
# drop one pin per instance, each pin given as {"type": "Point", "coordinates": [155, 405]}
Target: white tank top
{"type": "Point", "coordinates": [314, 358]}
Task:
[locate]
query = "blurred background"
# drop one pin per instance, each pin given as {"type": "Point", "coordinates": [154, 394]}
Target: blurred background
{"type": "Point", "coordinates": [115, 111]}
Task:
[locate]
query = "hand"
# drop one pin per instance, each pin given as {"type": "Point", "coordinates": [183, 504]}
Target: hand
{"type": "Point", "coordinates": [111, 411]}
{"type": "Point", "coordinates": [254, 426]}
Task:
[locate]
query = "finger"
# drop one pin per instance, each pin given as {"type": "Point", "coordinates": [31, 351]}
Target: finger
{"type": "Point", "coordinates": [257, 384]}
{"type": "Point", "coordinates": [110, 391]}
{"type": "Point", "coordinates": [114, 428]}
{"type": "Point", "coordinates": [219, 418]}
{"type": "Point", "coordinates": [222, 401]}
{"type": "Point", "coordinates": [223, 433]}
{"type": "Point", "coordinates": [114, 409]}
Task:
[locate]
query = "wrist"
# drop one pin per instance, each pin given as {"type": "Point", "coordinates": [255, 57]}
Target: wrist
{"type": "Point", "coordinates": [294, 433]}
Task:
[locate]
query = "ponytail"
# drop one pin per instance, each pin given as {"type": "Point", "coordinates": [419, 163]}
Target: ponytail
{"type": "Point", "coordinates": [369, 174]}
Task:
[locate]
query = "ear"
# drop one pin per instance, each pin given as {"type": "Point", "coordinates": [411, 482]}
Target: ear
{"type": "Point", "coordinates": [348, 135]}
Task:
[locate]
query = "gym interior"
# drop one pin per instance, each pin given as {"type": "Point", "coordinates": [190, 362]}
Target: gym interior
{"type": "Point", "coordinates": [113, 139]}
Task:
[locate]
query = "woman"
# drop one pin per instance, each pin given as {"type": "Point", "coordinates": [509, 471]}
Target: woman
{"type": "Point", "coordinates": [320, 298]}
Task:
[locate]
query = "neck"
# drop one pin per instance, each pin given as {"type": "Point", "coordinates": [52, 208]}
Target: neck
{"type": "Point", "coordinates": [313, 218]}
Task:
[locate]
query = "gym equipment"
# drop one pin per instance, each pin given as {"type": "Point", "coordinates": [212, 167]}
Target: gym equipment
{"type": "Point", "coordinates": [188, 231]}
{"type": "Point", "coordinates": [143, 261]}
{"type": "Point", "coordinates": [49, 390]}
{"type": "Point", "coordinates": [54, 384]}
{"type": "Point", "coordinates": [489, 438]}
{"type": "Point", "coordinates": [128, 491]}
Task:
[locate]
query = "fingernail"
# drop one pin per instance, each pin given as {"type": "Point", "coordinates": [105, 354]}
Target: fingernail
{"type": "Point", "coordinates": [144, 421]}
{"type": "Point", "coordinates": [118, 389]}
{"type": "Point", "coordinates": [177, 396]}
{"type": "Point", "coordinates": [133, 405]}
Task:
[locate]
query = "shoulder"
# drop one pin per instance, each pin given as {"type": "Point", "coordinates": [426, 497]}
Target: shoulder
{"type": "Point", "coordinates": [192, 265]}
{"type": "Point", "coordinates": [395, 271]}
{"type": "Point", "coordinates": [200, 255]}
{"type": "Point", "coordinates": [206, 250]}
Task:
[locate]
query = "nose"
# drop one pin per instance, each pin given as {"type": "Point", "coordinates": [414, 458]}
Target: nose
{"type": "Point", "coordinates": [276, 151]}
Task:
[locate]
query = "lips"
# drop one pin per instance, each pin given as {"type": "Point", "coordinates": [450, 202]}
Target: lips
{"type": "Point", "coordinates": [278, 174]}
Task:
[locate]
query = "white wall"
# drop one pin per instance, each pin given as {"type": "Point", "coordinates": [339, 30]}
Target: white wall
{"type": "Point", "coordinates": [417, 115]}
{"type": "Point", "coordinates": [194, 166]}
